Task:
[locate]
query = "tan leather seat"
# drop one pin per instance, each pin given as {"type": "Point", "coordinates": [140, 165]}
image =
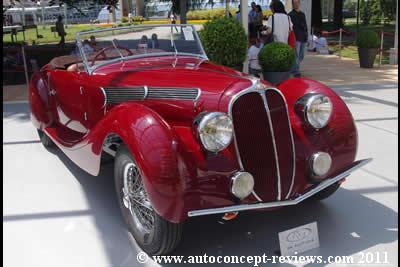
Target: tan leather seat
{"type": "Point", "coordinates": [76, 67]}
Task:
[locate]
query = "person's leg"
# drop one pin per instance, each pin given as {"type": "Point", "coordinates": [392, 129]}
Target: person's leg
{"type": "Point", "coordinates": [295, 68]}
{"type": "Point", "coordinates": [301, 52]}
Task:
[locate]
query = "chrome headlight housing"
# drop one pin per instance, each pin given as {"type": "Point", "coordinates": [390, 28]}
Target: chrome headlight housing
{"type": "Point", "coordinates": [317, 109]}
{"type": "Point", "coordinates": [215, 130]}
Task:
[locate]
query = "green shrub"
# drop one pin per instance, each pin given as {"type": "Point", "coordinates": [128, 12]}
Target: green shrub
{"type": "Point", "coordinates": [208, 14]}
{"type": "Point", "coordinates": [137, 19]}
{"type": "Point", "coordinates": [276, 57]}
{"type": "Point", "coordinates": [124, 19]}
{"type": "Point", "coordinates": [224, 41]}
{"type": "Point", "coordinates": [368, 39]}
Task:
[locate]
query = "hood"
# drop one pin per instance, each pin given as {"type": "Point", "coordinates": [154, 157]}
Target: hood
{"type": "Point", "coordinates": [181, 72]}
{"type": "Point", "coordinates": [185, 72]}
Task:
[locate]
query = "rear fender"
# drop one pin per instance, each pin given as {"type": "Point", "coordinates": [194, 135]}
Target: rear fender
{"type": "Point", "coordinates": [39, 102]}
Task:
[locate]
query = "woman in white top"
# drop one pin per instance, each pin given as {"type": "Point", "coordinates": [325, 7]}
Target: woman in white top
{"type": "Point", "coordinates": [282, 24]}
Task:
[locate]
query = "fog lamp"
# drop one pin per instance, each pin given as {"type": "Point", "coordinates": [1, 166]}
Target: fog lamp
{"type": "Point", "coordinates": [320, 163]}
{"type": "Point", "coordinates": [242, 184]}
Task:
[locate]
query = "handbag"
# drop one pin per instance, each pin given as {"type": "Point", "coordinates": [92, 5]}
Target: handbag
{"type": "Point", "coordinates": [291, 37]}
{"type": "Point", "coordinates": [269, 38]}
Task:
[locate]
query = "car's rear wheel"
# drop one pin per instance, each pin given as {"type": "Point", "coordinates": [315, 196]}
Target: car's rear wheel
{"type": "Point", "coordinates": [325, 193]}
{"type": "Point", "coordinates": [153, 234]}
{"type": "Point", "coordinates": [46, 141]}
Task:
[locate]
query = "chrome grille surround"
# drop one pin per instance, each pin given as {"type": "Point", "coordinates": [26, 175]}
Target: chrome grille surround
{"type": "Point", "coordinates": [253, 88]}
{"type": "Point", "coordinates": [115, 95]}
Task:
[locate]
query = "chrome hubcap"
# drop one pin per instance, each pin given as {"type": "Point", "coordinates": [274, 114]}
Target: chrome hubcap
{"type": "Point", "coordinates": [135, 199]}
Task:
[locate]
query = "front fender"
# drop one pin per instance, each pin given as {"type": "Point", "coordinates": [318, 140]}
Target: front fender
{"type": "Point", "coordinates": [155, 148]}
{"type": "Point", "coordinates": [339, 138]}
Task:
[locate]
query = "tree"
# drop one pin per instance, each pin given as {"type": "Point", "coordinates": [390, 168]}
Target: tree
{"type": "Point", "coordinates": [69, 3]}
{"type": "Point", "coordinates": [338, 14]}
{"type": "Point", "coordinates": [316, 16]}
{"type": "Point", "coordinates": [182, 6]}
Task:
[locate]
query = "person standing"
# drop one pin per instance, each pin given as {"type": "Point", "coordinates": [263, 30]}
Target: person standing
{"type": "Point", "coordinates": [252, 18]}
{"type": "Point", "coordinates": [252, 54]}
{"type": "Point", "coordinates": [237, 14]}
{"type": "Point", "coordinates": [301, 33]}
{"type": "Point", "coordinates": [279, 23]}
{"type": "Point", "coordinates": [173, 18]}
{"type": "Point", "coordinates": [60, 30]}
{"type": "Point", "coordinates": [258, 19]}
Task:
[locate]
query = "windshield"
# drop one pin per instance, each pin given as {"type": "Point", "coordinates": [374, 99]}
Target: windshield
{"type": "Point", "coordinates": [117, 44]}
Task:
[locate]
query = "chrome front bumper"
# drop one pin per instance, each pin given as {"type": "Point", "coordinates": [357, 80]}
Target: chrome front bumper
{"type": "Point", "coordinates": [356, 165]}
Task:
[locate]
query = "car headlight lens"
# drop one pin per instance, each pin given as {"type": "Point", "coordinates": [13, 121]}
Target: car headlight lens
{"type": "Point", "coordinates": [321, 163]}
{"type": "Point", "coordinates": [318, 110]}
{"type": "Point", "coordinates": [242, 184]}
{"type": "Point", "coordinates": [215, 130]}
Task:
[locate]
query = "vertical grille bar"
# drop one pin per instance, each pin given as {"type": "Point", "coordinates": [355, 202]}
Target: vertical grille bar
{"type": "Point", "coordinates": [282, 132]}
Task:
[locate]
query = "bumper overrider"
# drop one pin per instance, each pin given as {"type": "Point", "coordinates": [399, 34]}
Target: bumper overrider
{"type": "Point", "coordinates": [262, 205]}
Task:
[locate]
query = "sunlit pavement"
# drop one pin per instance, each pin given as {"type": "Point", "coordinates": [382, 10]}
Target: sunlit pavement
{"type": "Point", "coordinates": [55, 214]}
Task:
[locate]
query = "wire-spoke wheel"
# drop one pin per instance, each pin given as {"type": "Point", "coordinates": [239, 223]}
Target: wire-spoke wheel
{"type": "Point", "coordinates": [153, 234]}
{"type": "Point", "coordinates": [136, 201]}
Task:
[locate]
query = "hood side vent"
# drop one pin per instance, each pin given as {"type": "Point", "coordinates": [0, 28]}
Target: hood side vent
{"type": "Point", "coordinates": [116, 95]}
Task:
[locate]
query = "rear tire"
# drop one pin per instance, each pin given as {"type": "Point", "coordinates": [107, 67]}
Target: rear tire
{"type": "Point", "coordinates": [325, 193]}
{"type": "Point", "coordinates": [152, 233]}
{"type": "Point", "coordinates": [46, 141]}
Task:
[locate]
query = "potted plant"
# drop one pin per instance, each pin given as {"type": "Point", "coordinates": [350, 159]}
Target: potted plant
{"type": "Point", "coordinates": [225, 42]}
{"type": "Point", "coordinates": [276, 60]}
{"type": "Point", "coordinates": [368, 45]}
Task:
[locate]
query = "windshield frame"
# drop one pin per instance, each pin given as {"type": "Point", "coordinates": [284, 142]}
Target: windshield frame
{"type": "Point", "coordinates": [90, 69]}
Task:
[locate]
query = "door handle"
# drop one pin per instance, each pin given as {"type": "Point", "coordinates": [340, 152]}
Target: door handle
{"type": "Point", "coordinates": [52, 92]}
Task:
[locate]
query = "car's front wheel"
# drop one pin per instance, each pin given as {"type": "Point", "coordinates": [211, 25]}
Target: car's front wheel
{"type": "Point", "coordinates": [45, 140]}
{"type": "Point", "coordinates": [327, 192]}
{"type": "Point", "coordinates": [153, 234]}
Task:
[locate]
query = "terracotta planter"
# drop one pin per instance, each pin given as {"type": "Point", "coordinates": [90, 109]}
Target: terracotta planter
{"type": "Point", "coordinates": [275, 77]}
{"type": "Point", "coordinates": [367, 56]}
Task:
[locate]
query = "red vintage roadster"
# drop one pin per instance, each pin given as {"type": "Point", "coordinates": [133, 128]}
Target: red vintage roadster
{"type": "Point", "coordinates": [189, 137]}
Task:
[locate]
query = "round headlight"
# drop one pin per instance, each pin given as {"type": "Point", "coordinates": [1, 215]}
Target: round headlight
{"type": "Point", "coordinates": [215, 131]}
{"type": "Point", "coordinates": [318, 110]}
{"type": "Point", "coordinates": [321, 163]}
{"type": "Point", "coordinates": [242, 184]}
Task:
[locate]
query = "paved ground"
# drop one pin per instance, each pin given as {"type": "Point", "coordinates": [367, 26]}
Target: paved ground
{"type": "Point", "coordinates": [57, 215]}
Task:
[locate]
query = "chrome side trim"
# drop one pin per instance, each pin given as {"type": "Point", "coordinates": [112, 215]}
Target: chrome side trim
{"type": "Point", "coordinates": [146, 91]}
{"type": "Point", "coordinates": [318, 188]}
{"type": "Point", "coordinates": [105, 97]}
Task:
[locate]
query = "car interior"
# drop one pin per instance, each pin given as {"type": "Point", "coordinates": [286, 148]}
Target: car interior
{"type": "Point", "coordinates": [106, 51]}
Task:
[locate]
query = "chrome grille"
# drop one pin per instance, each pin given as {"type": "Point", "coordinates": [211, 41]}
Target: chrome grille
{"type": "Point", "coordinates": [264, 141]}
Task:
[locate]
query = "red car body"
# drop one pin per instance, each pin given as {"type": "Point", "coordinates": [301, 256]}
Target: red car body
{"type": "Point", "coordinates": [75, 111]}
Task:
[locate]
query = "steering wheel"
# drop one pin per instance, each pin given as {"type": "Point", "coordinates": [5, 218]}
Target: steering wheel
{"type": "Point", "coordinates": [103, 54]}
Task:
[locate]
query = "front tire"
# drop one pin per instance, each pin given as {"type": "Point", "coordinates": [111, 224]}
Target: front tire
{"type": "Point", "coordinates": [325, 193]}
{"type": "Point", "coordinates": [46, 141]}
{"type": "Point", "coordinates": [152, 233]}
